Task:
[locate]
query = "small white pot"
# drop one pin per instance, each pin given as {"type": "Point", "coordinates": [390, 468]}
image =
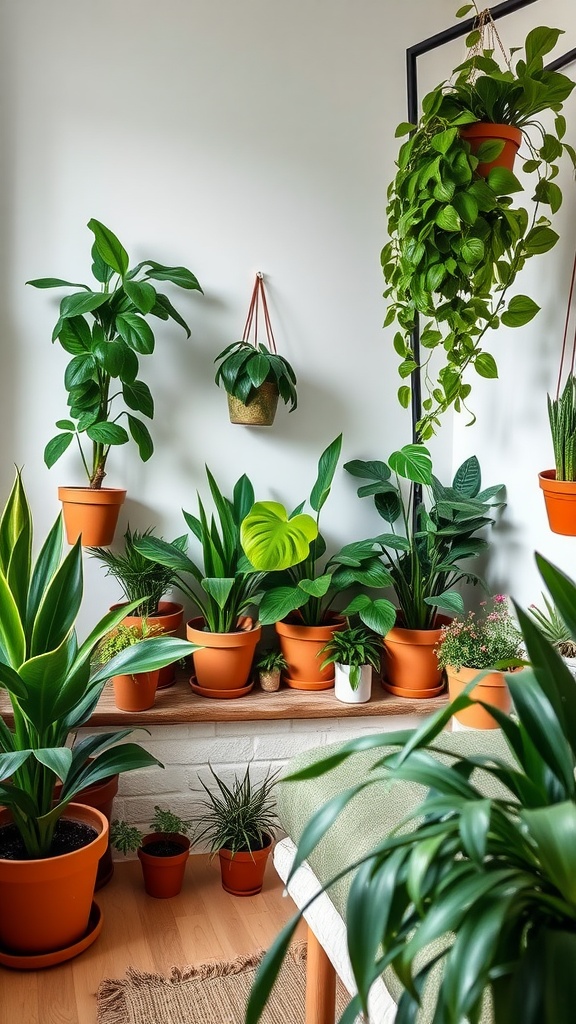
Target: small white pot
{"type": "Point", "coordinates": [344, 692]}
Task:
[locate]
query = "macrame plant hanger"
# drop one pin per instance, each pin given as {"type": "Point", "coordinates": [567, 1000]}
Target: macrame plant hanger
{"type": "Point", "coordinates": [564, 355]}
{"type": "Point", "coordinates": [261, 409]}
{"type": "Point", "coordinates": [258, 296]}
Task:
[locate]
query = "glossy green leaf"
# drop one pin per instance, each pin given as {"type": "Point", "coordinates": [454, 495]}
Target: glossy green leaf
{"type": "Point", "coordinates": [272, 541]}
{"type": "Point", "coordinates": [141, 436]}
{"type": "Point", "coordinates": [82, 302]}
{"type": "Point", "coordinates": [219, 589]}
{"type": "Point", "coordinates": [412, 462]}
{"type": "Point", "coordinates": [177, 275]}
{"type": "Point", "coordinates": [55, 282]}
{"type": "Point", "coordinates": [485, 365]}
{"type": "Point", "coordinates": [107, 433]}
{"type": "Point", "coordinates": [317, 587]}
{"type": "Point", "coordinates": [137, 396]}
{"type": "Point", "coordinates": [75, 336]}
{"type": "Point", "coordinates": [521, 310]}
{"type": "Point", "coordinates": [110, 249]}
{"type": "Point", "coordinates": [137, 334]}
{"type": "Point", "coordinates": [145, 656]}
{"type": "Point", "coordinates": [12, 639]}
{"type": "Point", "coordinates": [276, 604]}
{"type": "Point", "coordinates": [59, 605]}
{"type": "Point", "coordinates": [326, 469]}
{"type": "Point", "coordinates": [142, 294]}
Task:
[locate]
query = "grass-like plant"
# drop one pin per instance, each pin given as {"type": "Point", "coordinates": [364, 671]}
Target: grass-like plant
{"type": "Point", "coordinates": [270, 661]}
{"type": "Point", "coordinates": [354, 646]}
{"type": "Point", "coordinates": [562, 417]}
{"type": "Point", "coordinates": [140, 578]}
{"type": "Point", "coordinates": [127, 838]}
{"type": "Point", "coordinates": [553, 628]}
{"type": "Point", "coordinates": [240, 817]}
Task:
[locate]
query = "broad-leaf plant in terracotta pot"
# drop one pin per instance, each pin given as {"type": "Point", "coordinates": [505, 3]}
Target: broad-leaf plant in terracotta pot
{"type": "Point", "coordinates": [457, 240]}
{"type": "Point", "coordinates": [301, 585]}
{"type": "Point", "coordinates": [239, 822]}
{"type": "Point", "coordinates": [163, 852]}
{"type": "Point", "coordinates": [46, 897]}
{"type": "Point", "coordinates": [224, 591]}
{"type": "Point", "coordinates": [426, 556]}
{"type": "Point", "coordinates": [482, 646]}
{"type": "Point", "coordinates": [147, 582]}
{"type": "Point", "coordinates": [105, 327]}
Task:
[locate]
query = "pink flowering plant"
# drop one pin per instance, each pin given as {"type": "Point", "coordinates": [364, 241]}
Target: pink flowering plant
{"type": "Point", "coordinates": [486, 639]}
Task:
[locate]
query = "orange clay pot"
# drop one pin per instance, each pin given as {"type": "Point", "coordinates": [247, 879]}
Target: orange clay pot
{"type": "Point", "coordinates": [410, 664]}
{"type": "Point", "coordinates": [46, 903]}
{"type": "Point", "coordinates": [136, 692]}
{"type": "Point", "coordinates": [560, 499]}
{"type": "Point", "coordinates": [169, 618]}
{"type": "Point", "coordinates": [481, 132]}
{"type": "Point", "coordinates": [492, 689]}
{"type": "Point", "coordinates": [101, 796]}
{"type": "Point", "coordinates": [301, 646]}
{"type": "Point", "coordinates": [93, 514]}
{"type": "Point", "coordinates": [225, 661]}
{"type": "Point", "coordinates": [243, 873]}
{"type": "Point", "coordinates": [163, 876]}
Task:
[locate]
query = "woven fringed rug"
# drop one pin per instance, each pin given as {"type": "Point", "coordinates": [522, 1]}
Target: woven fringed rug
{"type": "Point", "coordinates": [213, 993]}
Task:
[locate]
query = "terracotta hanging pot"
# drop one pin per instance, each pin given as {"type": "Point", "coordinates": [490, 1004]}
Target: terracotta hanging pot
{"type": "Point", "coordinates": [343, 690]}
{"type": "Point", "coordinates": [242, 873]}
{"type": "Point", "coordinates": [169, 619]}
{"type": "Point", "coordinates": [163, 857]}
{"type": "Point", "coordinates": [410, 664]}
{"type": "Point", "coordinates": [222, 668]}
{"type": "Point", "coordinates": [101, 796]}
{"type": "Point", "coordinates": [480, 132]}
{"type": "Point", "coordinates": [259, 411]}
{"type": "Point", "coordinates": [492, 689]}
{"type": "Point", "coordinates": [560, 499]}
{"type": "Point", "coordinates": [136, 692]}
{"type": "Point", "coordinates": [301, 647]}
{"type": "Point", "coordinates": [91, 513]}
{"type": "Point", "coordinates": [46, 903]}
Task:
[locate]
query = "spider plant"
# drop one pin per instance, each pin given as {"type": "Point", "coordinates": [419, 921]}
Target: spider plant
{"type": "Point", "coordinates": [238, 818]}
{"type": "Point", "coordinates": [140, 579]}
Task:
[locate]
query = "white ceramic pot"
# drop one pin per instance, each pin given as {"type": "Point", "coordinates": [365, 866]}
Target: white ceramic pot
{"type": "Point", "coordinates": [343, 690]}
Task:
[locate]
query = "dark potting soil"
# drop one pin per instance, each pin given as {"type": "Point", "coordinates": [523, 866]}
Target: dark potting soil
{"type": "Point", "coordinates": [69, 835]}
{"type": "Point", "coordinates": [163, 848]}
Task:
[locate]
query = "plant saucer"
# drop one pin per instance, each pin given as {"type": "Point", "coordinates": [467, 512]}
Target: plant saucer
{"type": "Point", "coordinates": [206, 691]}
{"type": "Point", "coordinates": [401, 691]}
{"type": "Point", "coordinates": [35, 961]}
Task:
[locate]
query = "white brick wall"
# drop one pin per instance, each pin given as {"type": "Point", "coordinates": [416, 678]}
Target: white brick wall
{"type": "Point", "coordinates": [186, 751]}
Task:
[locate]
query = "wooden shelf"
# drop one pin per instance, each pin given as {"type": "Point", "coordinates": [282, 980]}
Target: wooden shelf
{"type": "Point", "coordinates": [177, 705]}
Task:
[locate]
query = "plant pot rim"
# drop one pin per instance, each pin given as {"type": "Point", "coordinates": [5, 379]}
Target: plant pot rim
{"type": "Point", "coordinates": [197, 622]}
{"type": "Point", "coordinates": [166, 609]}
{"type": "Point", "coordinates": [493, 128]}
{"type": "Point", "coordinates": [405, 635]}
{"type": "Point", "coordinates": [548, 482]}
{"type": "Point", "coordinates": [246, 854]}
{"type": "Point", "coordinates": [92, 496]}
{"type": "Point", "coordinates": [74, 811]}
{"type": "Point", "coordinates": [302, 631]}
{"type": "Point", "coordinates": [158, 837]}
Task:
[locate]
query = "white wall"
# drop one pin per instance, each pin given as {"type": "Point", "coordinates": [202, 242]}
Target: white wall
{"type": "Point", "coordinates": [233, 137]}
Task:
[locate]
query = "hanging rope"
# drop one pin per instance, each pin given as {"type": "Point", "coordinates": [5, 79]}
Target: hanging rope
{"type": "Point", "coordinates": [258, 296]}
{"type": "Point", "coordinates": [487, 40]}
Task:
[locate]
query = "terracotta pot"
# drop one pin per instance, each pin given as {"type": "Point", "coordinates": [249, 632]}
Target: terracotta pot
{"type": "Point", "coordinates": [225, 661]}
{"type": "Point", "coordinates": [243, 873]}
{"type": "Point", "coordinates": [410, 664]}
{"type": "Point", "coordinates": [46, 903]}
{"type": "Point", "coordinates": [169, 618]}
{"type": "Point", "coordinates": [136, 692]}
{"type": "Point", "coordinates": [492, 689]}
{"type": "Point", "coordinates": [163, 876]}
{"type": "Point", "coordinates": [101, 796]}
{"type": "Point", "coordinates": [343, 690]}
{"type": "Point", "coordinates": [560, 499]}
{"type": "Point", "coordinates": [91, 513]}
{"type": "Point", "coordinates": [260, 410]}
{"type": "Point", "coordinates": [301, 646]}
{"type": "Point", "coordinates": [481, 132]}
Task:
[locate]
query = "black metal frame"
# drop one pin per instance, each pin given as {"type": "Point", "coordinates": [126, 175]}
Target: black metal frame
{"type": "Point", "coordinates": [412, 54]}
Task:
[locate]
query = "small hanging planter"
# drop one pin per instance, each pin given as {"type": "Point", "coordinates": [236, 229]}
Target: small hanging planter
{"type": "Point", "coordinates": [253, 374]}
{"type": "Point", "coordinates": [506, 140]}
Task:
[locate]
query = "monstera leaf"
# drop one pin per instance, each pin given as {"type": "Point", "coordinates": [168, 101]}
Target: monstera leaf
{"type": "Point", "coordinates": [274, 542]}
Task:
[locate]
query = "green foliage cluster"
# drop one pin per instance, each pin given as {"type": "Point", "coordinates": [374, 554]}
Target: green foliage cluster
{"type": "Point", "coordinates": [456, 240]}
{"type": "Point", "coordinates": [46, 672]}
{"type": "Point", "coordinates": [121, 637]}
{"type": "Point", "coordinates": [354, 646]}
{"type": "Point", "coordinates": [270, 661]}
{"type": "Point", "coordinates": [127, 838]}
{"type": "Point", "coordinates": [492, 878]}
{"type": "Point", "coordinates": [289, 549]}
{"type": "Point", "coordinates": [486, 639]}
{"type": "Point", "coordinates": [424, 560]}
{"type": "Point", "coordinates": [562, 418]}
{"type": "Point", "coordinates": [240, 817]}
{"type": "Point", "coordinates": [140, 579]}
{"type": "Point", "coordinates": [553, 628]}
{"type": "Point", "coordinates": [227, 583]}
{"type": "Point", "coordinates": [105, 331]}
{"type": "Point", "coordinates": [245, 367]}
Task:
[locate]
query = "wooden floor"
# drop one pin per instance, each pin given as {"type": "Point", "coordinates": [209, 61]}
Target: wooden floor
{"type": "Point", "coordinates": [202, 923]}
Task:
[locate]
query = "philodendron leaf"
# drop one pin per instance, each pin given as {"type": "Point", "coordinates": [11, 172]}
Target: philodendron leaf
{"type": "Point", "coordinates": [412, 462]}
{"type": "Point", "coordinates": [110, 249]}
{"type": "Point", "coordinates": [318, 587]}
{"type": "Point", "coordinates": [326, 469]}
{"type": "Point", "coordinates": [278, 603]}
{"type": "Point", "coordinates": [272, 541]}
{"type": "Point", "coordinates": [450, 601]}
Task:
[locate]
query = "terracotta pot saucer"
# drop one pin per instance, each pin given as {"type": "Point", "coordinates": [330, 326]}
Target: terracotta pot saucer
{"type": "Point", "coordinates": [302, 684]}
{"type": "Point", "coordinates": [35, 961]}
{"type": "Point", "coordinates": [207, 691]}
{"type": "Point", "coordinates": [401, 691]}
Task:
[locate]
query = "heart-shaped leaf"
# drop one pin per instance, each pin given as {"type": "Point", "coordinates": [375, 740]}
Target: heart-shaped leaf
{"type": "Point", "coordinates": [272, 541]}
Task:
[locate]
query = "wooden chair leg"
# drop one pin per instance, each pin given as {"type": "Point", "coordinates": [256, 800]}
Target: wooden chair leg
{"type": "Point", "coordinates": [320, 984]}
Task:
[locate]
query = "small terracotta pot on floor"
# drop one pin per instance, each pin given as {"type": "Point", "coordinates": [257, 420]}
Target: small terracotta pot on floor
{"type": "Point", "coordinates": [242, 873]}
{"type": "Point", "coordinates": [164, 873]}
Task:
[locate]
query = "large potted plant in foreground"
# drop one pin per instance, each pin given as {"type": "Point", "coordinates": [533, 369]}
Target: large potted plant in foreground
{"type": "Point", "coordinates": [239, 822]}
{"type": "Point", "coordinates": [105, 328]}
{"type": "Point", "coordinates": [559, 484]}
{"type": "Point", "coordinates": [457, 239]}
{"type": "Point", "coordinates": [301, 586]}
{"type": "Point", "coordinates": [50, 846]}
{"type": "Point", "coordinates": [225, 590]}
{"type": "Point", "coordinates": [426, 556]}
{"type": "Point", "coordinates": [492, 879]}
{"type": "Point", "coordinates": [146, 582]}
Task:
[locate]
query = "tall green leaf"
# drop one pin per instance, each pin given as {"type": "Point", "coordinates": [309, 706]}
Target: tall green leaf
{"type": "Point", "coordinates": [110, 249]}
{"type": "Point", "coordinates": [326, 469]}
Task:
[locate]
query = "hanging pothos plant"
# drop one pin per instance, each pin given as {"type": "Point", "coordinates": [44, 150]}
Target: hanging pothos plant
{"type": "Point", "coordinates": [457, 240]}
